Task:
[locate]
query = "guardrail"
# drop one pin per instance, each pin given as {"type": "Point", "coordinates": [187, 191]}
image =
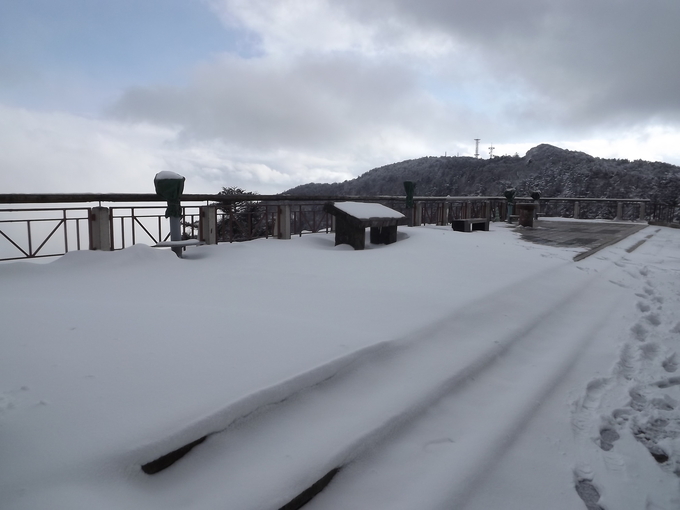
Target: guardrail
{"type": "Point", "coordinates": [44, 225]}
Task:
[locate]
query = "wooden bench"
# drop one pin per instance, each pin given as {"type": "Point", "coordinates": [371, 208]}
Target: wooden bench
{"type": "Point", "coordinates": [352, 219]}
{"type": "Point", "coordinates": [470, 224]}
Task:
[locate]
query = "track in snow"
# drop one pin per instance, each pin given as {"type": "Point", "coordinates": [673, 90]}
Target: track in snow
{"type": "Point", "coordinates": [503, 365]}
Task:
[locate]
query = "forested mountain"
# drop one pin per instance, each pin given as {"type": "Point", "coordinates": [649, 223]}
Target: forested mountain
{"type": "Point", "coordinates": [553, 171]}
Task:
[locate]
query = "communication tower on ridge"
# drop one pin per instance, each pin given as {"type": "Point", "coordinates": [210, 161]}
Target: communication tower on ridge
{"type": "Point", "coordinates": [477, 147]}
{"type": "Point", "coordinates": [491, 148]}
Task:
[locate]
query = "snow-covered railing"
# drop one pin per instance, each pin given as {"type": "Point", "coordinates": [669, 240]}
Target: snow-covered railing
{"type": "Point", "coordinates": [46, 225]}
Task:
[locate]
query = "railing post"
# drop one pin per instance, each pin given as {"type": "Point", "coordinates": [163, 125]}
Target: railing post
{"type": "Point", "coordinates": [444, 219]}
{"type": "Point", "coordinates": [207, 224]}
{"type": "Point", "coordinates": [619, 211]}
{"type": "Point", "coordinates": [418, 220]}
{"type": "Point", "coordinates": [643, 212]}
{"type": "Point", "coordinates": [100, 228]}
{"type": "Point", "coordinates": [282, 226]}
{"type": "Point", "coordinates": [576, 210]}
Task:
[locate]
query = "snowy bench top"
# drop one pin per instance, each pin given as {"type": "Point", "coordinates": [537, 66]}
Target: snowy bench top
{"type": "Point", "coordinates": [175, 244]}
{"type": "Point", "coordinates": [366, 211]}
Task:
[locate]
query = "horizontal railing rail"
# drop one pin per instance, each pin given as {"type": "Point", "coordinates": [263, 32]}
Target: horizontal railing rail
{"type": "Point", "coordinates": [47, 225]}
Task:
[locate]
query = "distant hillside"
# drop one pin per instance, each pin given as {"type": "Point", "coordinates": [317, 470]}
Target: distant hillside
{"type": "Point", "coordinates": [553, 171]}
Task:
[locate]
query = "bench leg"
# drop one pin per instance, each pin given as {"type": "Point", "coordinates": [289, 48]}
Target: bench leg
{"type": "Point", "coordinates": [384, 235]}
{"type": "Point", "coordinates": [348, 234]}
{"type": "Point", "coordinates": [481, 225]}
{"type": "Point", "coordinates": [458, 225]}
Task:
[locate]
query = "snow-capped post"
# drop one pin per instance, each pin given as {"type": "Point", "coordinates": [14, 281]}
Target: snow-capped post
{"type": "Point", "coordinates": [510, 197]}
{"type": "Point", "coordinates": [536, 197]}
{"type": "Point", "coordinates": [410, 188]}
{"type": "Point", "coordinates": [170, 186]}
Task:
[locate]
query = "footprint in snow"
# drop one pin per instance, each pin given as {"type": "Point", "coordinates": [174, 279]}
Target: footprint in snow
{"type": "Point", "coordinates": [622, 415]}
{"type": "Point", "coordinates": [639, 332]}
{"type": "Point", "coordinates": [625, 367]}
{"type": "Point", "coordinates": [608, 436]}
{"type": "Point", "coordinates": [648, 290]}
{"type": "Point", "coordinates": [665, 403]}
{"type": "Point", "coordinates": [644, 271]}
{"type": "Point", "coordinates": [643, 307]}
{"type": "Point", "coordinates": [676, 328]}
{"type": "Point", "coordinates": [588, 493]}
{"type": "Point", "coordinates": [653, 319]}
{"type": "Point", "coordinates": [638, 400]}
{"type": "Point", "coordinates": [667, 383]}
{"type": "Point", "coordinates": [670, 364]}
{"type": "Point", "coordinates": [649, 350]}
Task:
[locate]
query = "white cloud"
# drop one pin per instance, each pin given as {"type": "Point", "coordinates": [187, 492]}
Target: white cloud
{"type": "Point", "coordinates": [334, 89]}
{"type": "Point", "coordinates": [62, 153]}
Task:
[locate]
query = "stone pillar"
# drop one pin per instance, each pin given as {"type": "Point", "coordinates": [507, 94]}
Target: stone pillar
{"type": "Point", "coordinates": [282, 227]}
{"type": "Point", "coordinates": [525, 214]}
{"type": "Point", "coordinates": [619, 211]}
{"type": "Point", "coordinates": [207, 224]}
{"type": "Point", "coordinates": [576, 210]}
{"type": "Point", "coordinates": [418, 220]}
{"type": "Point", "coordinates": [99, 226]}
{"type": "Point", "coordinates": [643, 212]}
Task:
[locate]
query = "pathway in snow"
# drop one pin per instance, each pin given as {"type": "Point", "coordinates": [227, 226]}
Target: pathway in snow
{"type": "Point", "coordinates": [364, 404]}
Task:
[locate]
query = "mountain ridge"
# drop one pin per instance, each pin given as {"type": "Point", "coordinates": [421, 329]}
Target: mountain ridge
{"type": "Point", "coordinates": [553, 171]}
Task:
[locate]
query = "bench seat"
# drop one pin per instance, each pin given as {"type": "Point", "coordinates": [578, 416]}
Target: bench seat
{"type": "Point", "coordinates": [470, 224]}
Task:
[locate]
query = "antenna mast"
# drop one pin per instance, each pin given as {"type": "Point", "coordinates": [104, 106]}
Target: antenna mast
{"type": "Point", "coordinates": [491, 148]}
{"type": "Point", "coordinates": [477, 147]}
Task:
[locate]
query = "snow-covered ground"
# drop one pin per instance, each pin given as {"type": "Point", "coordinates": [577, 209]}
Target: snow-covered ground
{"type": "Point", "coordinates": [448, 370]}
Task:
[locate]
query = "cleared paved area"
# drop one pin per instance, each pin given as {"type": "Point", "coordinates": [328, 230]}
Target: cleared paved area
{"type": "Point", "coordinates": [592, 235]}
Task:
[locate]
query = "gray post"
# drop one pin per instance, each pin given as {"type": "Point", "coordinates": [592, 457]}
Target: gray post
{"type": "Point", "coordinates": [207, 224]}
{"type": "Point", "coordinates": [444, 219]}
{"type": "Point", "coordinates": [176, 234]}
{"type": "Point", "coordinates": [576, 210]}
{"type": "Point", "coordinates": [282, 227]}
{"type": "Point", "coordinates": [511, 211]}
{"type": "Point", "coordinates": [100, 229]}
{"type": "Point", "coordinates": [418, 220]}
{"type": "Point", "coordinates": [619, 211]}
{"type": "Point", "coordinates": [643, 212]}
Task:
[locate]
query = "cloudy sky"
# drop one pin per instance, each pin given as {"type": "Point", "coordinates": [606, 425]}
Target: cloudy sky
{"type": "Point", "coordinates": [100, 95]}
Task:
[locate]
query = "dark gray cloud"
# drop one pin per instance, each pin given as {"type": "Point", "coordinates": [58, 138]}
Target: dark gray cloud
{"type": "Point", "coordinates": [589, 62]}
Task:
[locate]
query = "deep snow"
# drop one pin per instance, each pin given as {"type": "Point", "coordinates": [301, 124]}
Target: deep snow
{"type": "Point", "coordinates": [446, 370]}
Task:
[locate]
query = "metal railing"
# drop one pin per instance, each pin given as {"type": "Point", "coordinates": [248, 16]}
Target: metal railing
{"type": "Point", "coordinates": [35, 226]}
